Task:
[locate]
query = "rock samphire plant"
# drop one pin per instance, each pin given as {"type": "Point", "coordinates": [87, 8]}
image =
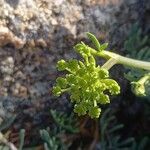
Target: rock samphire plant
{"type": "Point", "coordinates": [89, 84]}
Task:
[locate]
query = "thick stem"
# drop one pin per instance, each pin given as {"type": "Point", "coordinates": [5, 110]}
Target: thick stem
{"type": "Point", "coordinates": [122, 60]}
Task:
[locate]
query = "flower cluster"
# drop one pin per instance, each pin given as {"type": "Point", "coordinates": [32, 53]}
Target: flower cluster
{"type": "Point", "coordinates": [87, 83]}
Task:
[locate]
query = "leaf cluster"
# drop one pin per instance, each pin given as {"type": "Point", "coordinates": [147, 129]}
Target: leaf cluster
{"type": "Point", "coordinates": [64, 124]}
{"type": "Point", "coordinates": [50, 142]}
{"type": "Point", "coordinates": [110, 138]}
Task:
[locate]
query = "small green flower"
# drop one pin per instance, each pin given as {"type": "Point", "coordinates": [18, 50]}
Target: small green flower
{"type": "Point", "coordinates": [61, 82]}
{"type": "Point", "coordinates": [94, 112]}
{"type": "Point", "coordinates": [139, 87]}
{"type": "Point", "coordinates": [56, 90]}
{"type": "Point", "coordinates": [73, 65]}
{"type": "Point", "coordinates": [103, 73]}
{"type": "Point", "coordinates": [80, 109]}
{"type": "Point", "coordinates": [61, 65]}
{"type": "Point", "coordinates": [71, 79]}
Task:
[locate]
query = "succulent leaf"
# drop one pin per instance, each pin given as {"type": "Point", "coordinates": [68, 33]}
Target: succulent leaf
{"type": "Point", "coordinates": [94, 40]}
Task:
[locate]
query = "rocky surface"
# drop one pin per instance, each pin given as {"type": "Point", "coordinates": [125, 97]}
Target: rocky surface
{"type": "Point", "coordinates": [34, 34]}
{"type": "Point", "coordinates": [47, 23]}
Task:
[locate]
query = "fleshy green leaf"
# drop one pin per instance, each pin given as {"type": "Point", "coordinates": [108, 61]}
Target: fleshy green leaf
{"type": "Point", "coordinates": [103, 46]}
{"type": "Point", "coordinates": [94, 40]}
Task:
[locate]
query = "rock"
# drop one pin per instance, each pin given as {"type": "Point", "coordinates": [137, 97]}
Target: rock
{"type": "Point", "coordinates": [23, 92]}
{"type": "Point", "coordinates": [19, 90]}
{"type": "Point", "coordinates": [7, 37]}
{"type": "Point", "coordinates": [20, 75]}
{"type": "Point", "coordinates": [7, 66]}
{"type": "Point", "coordinates": [40, 19]}
{"type": "Point", "coordinates": [38, 89]}
{"type": "Point", "coordinates": [41, 43]}
{"type": "Point", "coordinates": [3, 91]}
{"type": "Point", "coordinates": [8, 78]}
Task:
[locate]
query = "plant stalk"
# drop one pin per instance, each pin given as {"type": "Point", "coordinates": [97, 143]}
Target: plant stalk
{"type": "Point", "coordinates": [110, 63]}
{"type": "Point", "coordinates": [144, 79]}
{"type": "Point", "coordinates": [122, 60]}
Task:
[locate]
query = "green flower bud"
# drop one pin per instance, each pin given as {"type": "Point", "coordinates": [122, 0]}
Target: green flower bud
{"type": "Point", "coordinates": [61, 82]}
{"type": "Point", "coordinates": [80, 109]}
{"type": "Point", "coordinates": [138, 89]}
{"type": "Point", "coordinates": [103, 99]}
{"type": "Point", "coordinates": [56, 90]}
{"type": "Point", "coordinates": [82, 49]}
{"type": "Point", "coordinates": [94, 112]}
{"type": "Point", "coordinates": [71, 79]}
{"type": "Point", "coordinates": [92, 61]}
{"type": "Point", "coordinates": [75, 97]}
{"type": "Point", "coordinates": [112, 86]}
{"type": "Point", "coordinates": [103, 73]}
{"type": "Point", "coordinates": [61, 65]}
{"type": "Point", "coordinates": [73, 65]}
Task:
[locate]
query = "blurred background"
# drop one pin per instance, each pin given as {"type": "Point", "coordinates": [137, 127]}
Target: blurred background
{"type": "Point", "coordinates": [34, 35]}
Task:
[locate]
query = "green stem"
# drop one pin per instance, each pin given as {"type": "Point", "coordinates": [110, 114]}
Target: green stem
{"type": "Point", "coordinates": [95, 103]}
{"type": "Point", "coordinates": [122, 60]}
{"type": "Point", "coordinates": [144, 79]}
{"type": "Point", "coordinates": [111, 62]}
{"type": "Point", "coordinates": [65, 90]}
